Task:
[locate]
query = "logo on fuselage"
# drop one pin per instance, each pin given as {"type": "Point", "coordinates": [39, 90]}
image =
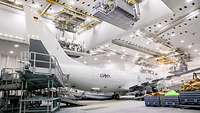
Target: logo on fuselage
{"type": "Point", "coordinates": [103, 75]}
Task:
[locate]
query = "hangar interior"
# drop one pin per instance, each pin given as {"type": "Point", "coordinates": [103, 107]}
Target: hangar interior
{"type": "Point", "coordinates": [82, 56]}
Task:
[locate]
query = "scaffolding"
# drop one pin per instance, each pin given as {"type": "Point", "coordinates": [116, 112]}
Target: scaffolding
{"type": "Point", "coordinates": [33, 87]}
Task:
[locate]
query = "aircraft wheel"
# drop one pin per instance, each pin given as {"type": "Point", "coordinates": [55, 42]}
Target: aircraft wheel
{"type": "Point", "coordinates": [116, 96]}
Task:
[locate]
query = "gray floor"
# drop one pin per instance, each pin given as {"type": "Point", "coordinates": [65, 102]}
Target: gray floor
{"type": "Point", "coordinates": [129, 106]}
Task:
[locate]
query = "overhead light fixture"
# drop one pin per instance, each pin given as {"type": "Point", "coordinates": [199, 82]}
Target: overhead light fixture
{"type": "Point", "coordinates": [95, 59]}
{"type": "Point", "coordinates": [122, 57]}
{"type": "Point", "coordinates": [148, 56]}
{"type": "Point", "coordinates": [112, 53]}
{"type": "Point", "coordinates": [159, 25]}
{"type": "Point", "coordinates": [173, 34]}
{"type": "Point", "coordinates": [137, 55]}
{"type": "Point", "coordinates": [108, 55]}
{"type": "Point", "coordinates": [102, 47]}
{"type": "Point", "coordinates": [72, 2]}
{"type": "Point", "coordinates": [17, 2]}
{"type": "Point", "coordinates": [85, 62]}
{"type": "Point", "coordinates": [125, 53]}
{"type": "Point", "coordinates": [131, 35]}
{"type": "Point", "coordinates": [138, 33]}
{"type": "Point", "coordinates": [188, 1]}
{"type": "Point", "coordinates": [37, 6]}
{"type": "Point", "coordinates": [189, 46]}
{"type": "Point", "coordinates": [88, 19]}
{"type": "Point", "coordinates": [196, 50]}
{"type": "Point", "coordinates": [11, 52]}
{"type": "Point", "coordinates": [11, 36]}
{"type": "Point", "coordinates": [123, 50]}
{"type": "Point", "coordinates": [16, 45]}
{"type": "Point", "coordinates": [148, 42]}
{"type": "Point", "coordinates": [182, 41]}
{"type": "Point", "coordinates": [5, 35]}
{"type": "Point", "coordinates": [107, 45]}
{"type": "Point", "coordinates": [114, 50]}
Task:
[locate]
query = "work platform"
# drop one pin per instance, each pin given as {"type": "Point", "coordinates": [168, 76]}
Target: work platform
{"type": "Point", "coordinates": [37, 80]}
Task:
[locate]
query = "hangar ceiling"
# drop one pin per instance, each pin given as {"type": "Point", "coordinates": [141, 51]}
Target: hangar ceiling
{"type": "Point", "coordinates": [171, 35]}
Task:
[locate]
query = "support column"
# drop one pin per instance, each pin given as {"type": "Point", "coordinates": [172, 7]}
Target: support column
{"type": "Point", "coordinates": [20, 105]}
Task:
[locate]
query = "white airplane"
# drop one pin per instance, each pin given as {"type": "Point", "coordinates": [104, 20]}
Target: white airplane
{"type": "Point", "coordinates": [80, 76]}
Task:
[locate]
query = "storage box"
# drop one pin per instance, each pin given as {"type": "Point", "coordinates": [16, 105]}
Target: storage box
{"type": "Point", "coordinates": [152, 101]}
{"type": "Point", "coordinates": [170, 101]}
{"type": "Point", "coordinates": [190, 98]}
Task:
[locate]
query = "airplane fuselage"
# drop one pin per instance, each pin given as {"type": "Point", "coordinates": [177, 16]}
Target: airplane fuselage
{"type": "Point", "coordinates": [95, 79]}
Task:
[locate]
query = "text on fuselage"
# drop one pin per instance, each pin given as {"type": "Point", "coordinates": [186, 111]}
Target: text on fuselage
{"type": "Point", "coordinates": [103, 75]}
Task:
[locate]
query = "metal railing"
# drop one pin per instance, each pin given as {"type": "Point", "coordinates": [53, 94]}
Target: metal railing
{"type": "Point", "coordinates": [9, 74]}
{"type": "Point", "coordinates": [33, 60]}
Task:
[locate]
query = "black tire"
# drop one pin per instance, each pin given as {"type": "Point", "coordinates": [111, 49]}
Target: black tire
{"type": "Point", "coordinates": [116, 96]}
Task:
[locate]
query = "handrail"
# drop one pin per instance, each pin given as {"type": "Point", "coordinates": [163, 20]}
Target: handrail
{"type": "Point", "coordinates": [11, 71]}
{"type": "Point", "coordinates": [59, 69]}
{"type": "Point", "coordinates": [52, 61]}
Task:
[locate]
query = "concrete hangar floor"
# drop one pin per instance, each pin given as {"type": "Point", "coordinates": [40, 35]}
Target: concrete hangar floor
{"type": "Point", "coordinates": [122, 106]}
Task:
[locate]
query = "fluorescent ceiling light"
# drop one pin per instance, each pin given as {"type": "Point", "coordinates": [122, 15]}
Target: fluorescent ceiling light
{"type": "Point", "coordinates": [107, 45]}
{"type": "Point", "coordinates": [18, 2]}
{"type": "Point", "coordinates": [95, 59]}
{"type": "Point", "coordinates": [159, 25]}
{"type": "Point", "coordinates": [196, 50]}
{"type": "Point", "coordinates": [112, 53]}
{"type": "Point", "coordinates": [188, 1]}
{"type": "Point", "coordinates": [148, 42]}
{"type": "Point", "coordinates": [16, 45]}
{"type": "Point", "coordinates": [88, 19]}
{"type": "Point", "coordinates": [11, 52]}
{"type": "Point", "coordinates": [122, 57]}
{"type": "Point", "coordinates": [5, 35]}
{"type": "Point", "coordinates": [131, 35]}
{"type": "Point", "coordinates": [182, 41]}
{"type": "Point", "coordinates": [173, 34]}
{"type": "Point", "coordinates": [72, 2]}
{"type": "Point", "coordinates": [189, 46]}
{"type": "Point", "coordinates": [108, 55]}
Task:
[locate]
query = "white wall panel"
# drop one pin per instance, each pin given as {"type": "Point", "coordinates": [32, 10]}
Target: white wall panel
{"type": "Point", "coordinates": [8, 61]}
{"type": "Point", "coordinates": [11, 22]}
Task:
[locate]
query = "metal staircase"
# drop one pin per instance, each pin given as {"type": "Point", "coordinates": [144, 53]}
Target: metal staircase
{"type": "Point", "coordinates": [10, 83]}
{"type": "Point", "coordinates": [41, 73]}
{"type": "Point", "coordinates": [38, 68]}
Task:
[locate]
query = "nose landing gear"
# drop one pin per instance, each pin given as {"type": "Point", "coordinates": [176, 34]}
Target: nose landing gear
{"type": "Point", "coordinates": [115, 96]}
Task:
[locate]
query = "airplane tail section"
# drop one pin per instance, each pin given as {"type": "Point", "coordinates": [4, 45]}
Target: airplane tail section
{"type": "Point", "coordinates": [38, 30]}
